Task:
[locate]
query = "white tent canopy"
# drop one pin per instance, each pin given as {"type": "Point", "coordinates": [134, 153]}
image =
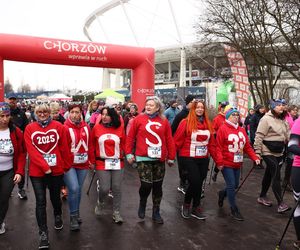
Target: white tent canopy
{"type": "Point", "coordinates": [60, 97]}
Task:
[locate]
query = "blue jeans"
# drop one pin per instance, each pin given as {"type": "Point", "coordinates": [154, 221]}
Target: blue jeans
{"type": "Point", "coordinates": [74, 180]}
{"type": "Point", "coordinates": [231, 176]}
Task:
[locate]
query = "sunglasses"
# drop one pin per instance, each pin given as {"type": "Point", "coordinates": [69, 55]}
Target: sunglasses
{"type": "Point", "coordinates": [235, 114]}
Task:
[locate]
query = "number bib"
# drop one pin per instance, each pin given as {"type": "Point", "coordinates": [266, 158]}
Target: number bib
{"type": "Point", "coordinates": [238, 157]}
{"type": "Point", "coordinates": [154, 152]}
{"type": "Point", "coordinates": [80, 158]}
{"type": "Point", "coordinates": [50, 159]}
{"type": "Point", "coordinates": [112, 164]}
{"type": "Point", "coordinates": [201, 150]}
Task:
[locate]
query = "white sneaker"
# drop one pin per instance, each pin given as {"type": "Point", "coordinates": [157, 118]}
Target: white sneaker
{"type": "Point", "coordinates": [99, 208]}
{"type": "Point", "coordinates": [117, 217]}
{"type": "Point", "coordinates": [2, 228]}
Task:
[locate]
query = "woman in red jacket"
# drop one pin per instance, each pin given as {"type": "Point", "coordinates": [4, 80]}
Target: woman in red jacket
{"type": "Point", "coordinates": [108, 138]}
{"type": "Point", "coordinates": [49, 154]}
{"type": "Point", "coordinates": [12, 159]}
{"type": "Point", "coordinates": [82, 149]}
{"type": "Point", "coordinates": [194, 139]}
{"type": "Point", "coordinates": [151, 137]}
{"type": "Point", "coordinates": [232, 142]}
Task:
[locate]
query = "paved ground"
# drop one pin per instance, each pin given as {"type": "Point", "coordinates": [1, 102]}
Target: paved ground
{"type": "Point", "coordinates": [261, 229]}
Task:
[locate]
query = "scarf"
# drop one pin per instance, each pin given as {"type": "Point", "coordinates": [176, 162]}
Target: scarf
{"type": "Point", "coordinates": [45, 123]}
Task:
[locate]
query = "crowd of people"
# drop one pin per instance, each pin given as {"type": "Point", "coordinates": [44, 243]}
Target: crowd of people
{"type": "Point", "coordinates": [63, 143]}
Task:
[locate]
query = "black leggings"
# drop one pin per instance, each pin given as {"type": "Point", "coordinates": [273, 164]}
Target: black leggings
{"type": "Point", "coordinates": [157, 193]}
{"type": "Point", "coordinates": [296, 188]}
{"type": "Point", "coordinates": [6, 187]}
{"type": "Point", "coordinates": [272, 177]}
{"type": "Point", "coordinates": [196, 173]}
{"type": "Point", "coordinates": [182, 170]}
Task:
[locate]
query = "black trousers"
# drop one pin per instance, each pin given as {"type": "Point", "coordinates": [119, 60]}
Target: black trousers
{"type": "Point", "coordinates": [6, 187]}
{"type": "Point", "coordinates": [40, 184]}
{"type": "Point", "coordinates": [196, 173]}
{"type": "Point", "coordinates": [272, 176]}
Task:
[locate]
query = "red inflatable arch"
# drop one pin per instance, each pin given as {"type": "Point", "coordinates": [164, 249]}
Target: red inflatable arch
{"type": "Point", "coordinates": [58, 51]}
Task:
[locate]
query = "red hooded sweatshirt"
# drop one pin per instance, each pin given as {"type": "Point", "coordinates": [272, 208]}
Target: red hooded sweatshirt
{"type": "Point", "coordinates": [80, 142]}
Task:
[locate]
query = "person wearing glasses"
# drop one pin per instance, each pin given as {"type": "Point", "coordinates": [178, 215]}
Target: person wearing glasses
{"type": "Point", "coordinates": [232, 143]}
{"type": "Point", "coordinates": [151, 137]}
{"type": "Point", "coordinates": [194, 140]}
{"type": "Point", "coordinates": [50, 156]}
{"type": "Point", "coordinates": [12, 159]}
{"type": "Point", "coordinates": [271, 139]}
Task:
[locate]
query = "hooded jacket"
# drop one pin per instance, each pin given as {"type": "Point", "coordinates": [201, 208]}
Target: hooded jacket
{"type": "Point", "coordinates": [82, 148]}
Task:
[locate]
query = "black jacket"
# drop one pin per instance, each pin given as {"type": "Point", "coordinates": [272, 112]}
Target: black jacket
{"type": "Point", "coordinates": [19, 118]}
{"type": "Point", "coordinates": [178, 118]}
{"type": "Point", "coordinates": [254, 124]}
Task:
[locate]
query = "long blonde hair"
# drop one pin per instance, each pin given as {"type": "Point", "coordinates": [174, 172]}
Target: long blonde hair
{"type": "Point", "coordinates": [90, 110]}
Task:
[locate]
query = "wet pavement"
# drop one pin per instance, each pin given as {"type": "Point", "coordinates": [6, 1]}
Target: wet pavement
{"type": "Point", "coordinates": [261, 229]}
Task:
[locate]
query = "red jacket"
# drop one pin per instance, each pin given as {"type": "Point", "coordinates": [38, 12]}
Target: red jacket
{"type": "Point", "coordinates": [218, 121]}
{"type": "Point", "coordinates": [109, 144]}
{"type": "Point", "coordinates": [80, 142]}
{"type": "Point", "coordinates": [149, 133]}
{"type": "Point", "coordinates": [47, 148]}
{"type": "Point", "coordinates": [19, 158]}
{"type": "Point", "coordinates": [198, 144]}
{"type": "Point", "coordinates": [231, 144]}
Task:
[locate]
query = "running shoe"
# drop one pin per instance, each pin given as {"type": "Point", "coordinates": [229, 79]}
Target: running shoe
{"type": "Point", "coordinates": [264, 201]}
{"type": "Point", "coordinates": [117, 217]}
{"type": "Point", "coordinates": [58, 223]}
{"type": "Point", "coordinates": [235, 213]}
{"type": "Point", "coordinates": [198, 213]}
{"type": "Point", "coordinates": [186, 211]}
{"type": "Point", "coordinates": [22, 194]}
{"type": "Point", "coordinates": [2, 228]}
{"type": "Point", "coordinates": [283, 208]}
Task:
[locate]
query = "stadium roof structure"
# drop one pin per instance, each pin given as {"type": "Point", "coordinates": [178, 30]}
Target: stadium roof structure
{"type": "Point", "coordinates": [166, 25]}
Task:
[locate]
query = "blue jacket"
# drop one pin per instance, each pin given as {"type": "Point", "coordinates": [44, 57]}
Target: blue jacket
{"type": "Point", "coordinates": [170, 114]}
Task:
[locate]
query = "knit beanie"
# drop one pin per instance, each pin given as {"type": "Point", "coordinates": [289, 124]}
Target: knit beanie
{"type": "Point", "coordinates": [229, 111]}
{"type": "Point", "coordinates": [189, 98]}
{"type": "Point", "coordinates": [276, 102]}
{"type": "Point", "coordinates": [4, 108]}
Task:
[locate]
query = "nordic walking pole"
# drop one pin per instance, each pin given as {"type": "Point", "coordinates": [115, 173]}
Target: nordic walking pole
{"type": "Point", "coordinates": [237, 190]}
{"type": "Point", "coordinates": [284, 189]}
{"type": "Point", "coordinates": [241, 177]}
{"type": "Point", "coordinates": [94, 173]}
{"type": "Point", "coordinates": [211, 172]}
{"type": "Point", "coordinates": [286, 227]}
{"type": "Point", "coordinates": [27, 170]}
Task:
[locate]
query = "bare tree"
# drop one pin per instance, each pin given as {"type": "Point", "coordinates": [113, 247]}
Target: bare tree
{"type": "Point", "coordinates": [249, 27]}
{"type": "Point", "coordinates": [24, 88]}
{"type": "Point", "coordinates": [8, 88]}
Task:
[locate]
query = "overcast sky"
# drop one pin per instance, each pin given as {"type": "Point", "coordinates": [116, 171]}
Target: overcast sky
{"type": "Point", "coordinates": [64, 19]}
